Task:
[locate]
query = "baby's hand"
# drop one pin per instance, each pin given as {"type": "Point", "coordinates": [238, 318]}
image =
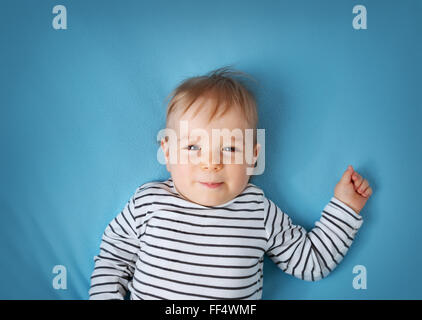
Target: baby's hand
{"type": "Point", "coordinates": [353, 190]}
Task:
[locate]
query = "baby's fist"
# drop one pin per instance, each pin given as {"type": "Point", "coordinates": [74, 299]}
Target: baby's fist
{"type": "Point", "coordinates": [353, 190]}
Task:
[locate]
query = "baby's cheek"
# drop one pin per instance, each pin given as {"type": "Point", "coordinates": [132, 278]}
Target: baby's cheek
{"type": "Point", "coordinates": [180, 173]}
{"type": "Point", "coordinates": [237, 176]}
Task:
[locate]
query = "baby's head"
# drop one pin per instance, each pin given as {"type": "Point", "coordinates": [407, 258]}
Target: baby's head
{"type": "Point", "coordinates": [207, 147]}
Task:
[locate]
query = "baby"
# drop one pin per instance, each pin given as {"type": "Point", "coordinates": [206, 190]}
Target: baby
{"type": "Point", "coordinates": [203, 233]}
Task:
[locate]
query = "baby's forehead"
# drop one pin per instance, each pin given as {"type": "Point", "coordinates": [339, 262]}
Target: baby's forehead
{"type": "Point", "coordinates": [208, 111]}
{"type": "Point", "coordinates": [228, 120]}
{"type": "Point", "coordinates": [190, 129]}
{"type": "Point", "coordinates": [198, 134]}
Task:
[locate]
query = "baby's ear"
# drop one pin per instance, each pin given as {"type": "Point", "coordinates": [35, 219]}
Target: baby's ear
{"type": "Point", "coordinates": [165, 148]}
{"type": "Point", "coordinates": [256, 150]}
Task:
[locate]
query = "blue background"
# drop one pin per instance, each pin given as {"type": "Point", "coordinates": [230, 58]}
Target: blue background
{"type": "Point", "coordinates": [81, 109]}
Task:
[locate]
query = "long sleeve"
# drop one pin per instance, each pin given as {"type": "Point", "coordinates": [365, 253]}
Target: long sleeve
{"type": "Point", "coordinates": [115, 264]}
{"type": "Point", "coordinates": [311, 255]}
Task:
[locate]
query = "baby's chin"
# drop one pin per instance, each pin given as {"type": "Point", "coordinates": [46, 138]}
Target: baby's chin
{"type": "Point", "coordinates": [209, 195]}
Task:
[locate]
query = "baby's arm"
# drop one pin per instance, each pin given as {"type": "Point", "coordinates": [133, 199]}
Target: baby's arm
{"type": "Point", "coordinates": [115, 265]}
{"type": "Point", "coordinates": [310, 255]}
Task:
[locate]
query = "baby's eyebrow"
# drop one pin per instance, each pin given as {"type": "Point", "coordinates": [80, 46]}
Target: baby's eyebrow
{"type": "Point", "coordinates": [189, 137]}
{"type": "Point", "coordinates": [195, 139]}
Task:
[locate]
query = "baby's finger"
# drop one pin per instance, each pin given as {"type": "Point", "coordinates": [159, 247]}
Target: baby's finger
{"type": "Point", "coordinates": [357, 179]}
{"type": "Point", "coordinates": [368, 192]}
{"type": "Point", "coordinates": [363, 186]}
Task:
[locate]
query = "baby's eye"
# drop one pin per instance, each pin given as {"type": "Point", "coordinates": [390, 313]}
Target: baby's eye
{"type": "Point", "coordinates": [192, 147]}
{"type": "Point", "coordinates": [230, 149]}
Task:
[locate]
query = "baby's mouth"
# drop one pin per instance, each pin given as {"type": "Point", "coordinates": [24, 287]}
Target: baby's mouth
{"type": "Point", "coordinates": [211, 185]}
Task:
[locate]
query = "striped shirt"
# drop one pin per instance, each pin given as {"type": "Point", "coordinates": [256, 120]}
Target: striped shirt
{"type": "Point", "coordinates": [162, 246]}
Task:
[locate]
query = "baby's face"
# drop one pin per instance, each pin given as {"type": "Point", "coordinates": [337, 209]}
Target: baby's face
{"type": "Point", "coordinates": [196, 175]}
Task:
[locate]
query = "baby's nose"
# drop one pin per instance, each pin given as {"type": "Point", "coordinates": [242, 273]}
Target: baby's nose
{"type": "Point", "coordinates": [211, 167]}
{"type": "Point", "coordinates": [207, 164]}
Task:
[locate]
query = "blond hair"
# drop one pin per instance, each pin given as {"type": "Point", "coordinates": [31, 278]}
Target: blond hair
{"type": "Point", "coordinates": [220, 84]}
